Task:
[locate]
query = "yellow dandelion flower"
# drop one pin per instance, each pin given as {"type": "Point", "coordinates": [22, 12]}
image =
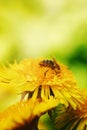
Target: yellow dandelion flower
{"type": "Point", "coordinates": [70, 119]}
{"type": "Point", "coordinates": [25, 115]}
{"type": "Point", "coordinates": [42, 78]}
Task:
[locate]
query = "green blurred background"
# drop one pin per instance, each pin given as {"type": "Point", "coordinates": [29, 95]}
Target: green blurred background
{"type": "Point", "coordinates": [44, 28]}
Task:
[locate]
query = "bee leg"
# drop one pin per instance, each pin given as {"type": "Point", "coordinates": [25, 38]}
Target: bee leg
{"type": "Point", "coordinates": [45, 72]}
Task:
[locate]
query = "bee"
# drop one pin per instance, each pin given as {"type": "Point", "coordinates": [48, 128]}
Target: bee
{"type": "Point", "coordinates": [47, 63]}
{"type": "Point", "coordinates": [50, 64]}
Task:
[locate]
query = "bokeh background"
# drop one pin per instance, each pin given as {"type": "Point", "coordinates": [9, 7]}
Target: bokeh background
{"type": "Point", "coordinates": [44, 28]}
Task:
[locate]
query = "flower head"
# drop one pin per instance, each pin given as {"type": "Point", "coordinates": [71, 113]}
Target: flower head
{"type": "Point", "coordinates": [70, 119]}
{"type": "Point", "coordinates": [40, 78]}
{"type": "Point", "coordinates": [25, 114]}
